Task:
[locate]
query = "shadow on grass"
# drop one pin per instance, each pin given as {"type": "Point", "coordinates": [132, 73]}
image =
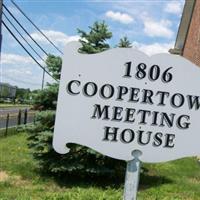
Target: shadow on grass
{"type": "Point", "coordinates": [148, 181]}
{"type": "Point", "coordinates": [69, 181]}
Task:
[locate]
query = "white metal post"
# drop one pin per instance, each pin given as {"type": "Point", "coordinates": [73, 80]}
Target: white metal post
{"type": "Point", "coordinates": [132, 179]}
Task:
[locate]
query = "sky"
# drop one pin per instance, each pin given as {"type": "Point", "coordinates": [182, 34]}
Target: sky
{"type": "Point", "coordinates": [150, 25]}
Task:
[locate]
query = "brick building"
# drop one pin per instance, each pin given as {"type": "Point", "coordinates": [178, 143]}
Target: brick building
{"type": "Point", "coordinates": [188, 38]}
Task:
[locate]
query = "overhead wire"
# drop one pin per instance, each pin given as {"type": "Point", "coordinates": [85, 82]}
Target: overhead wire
{"type": "Point", "coordinates": [25, 30]}
{"type": "Point", "coordinates": [36, 27]}
{"type": "Point", "coordinates": [23, 37]}
{"type": "Point", "coordinates": [27, 51]}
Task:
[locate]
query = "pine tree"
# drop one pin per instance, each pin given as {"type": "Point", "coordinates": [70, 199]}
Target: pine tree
{"type": "Point", "coordinates": [80, 161]}
{"type": "Point", "coordinates": [124, 43]}
{"type": "Point", "coordinates": [95, 40]}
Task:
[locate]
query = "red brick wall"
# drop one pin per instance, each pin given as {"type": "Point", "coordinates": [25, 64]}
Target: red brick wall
{"type": "Point", "coordinates": [192, 46]}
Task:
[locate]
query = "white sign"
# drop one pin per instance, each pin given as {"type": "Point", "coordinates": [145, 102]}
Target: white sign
{"type": "Point", "coordinates": [121, 100]}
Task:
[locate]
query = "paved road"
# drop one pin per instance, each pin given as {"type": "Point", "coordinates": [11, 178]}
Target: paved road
{"type": "Point", "coordinates": [4, 111]}
{"type": "Point", "coordinates": [13, 116]}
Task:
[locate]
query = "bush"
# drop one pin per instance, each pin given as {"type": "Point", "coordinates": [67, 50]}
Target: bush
{"type": "Point", "coordinates": [46, 99]}
{"type": "Point", "coordinates": [80, 161]}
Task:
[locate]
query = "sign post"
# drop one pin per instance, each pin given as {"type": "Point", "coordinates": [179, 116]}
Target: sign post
{"type": "Point", "coordinates": [132, 177]}
{"type": "Point", "coordinates": [129, 106]}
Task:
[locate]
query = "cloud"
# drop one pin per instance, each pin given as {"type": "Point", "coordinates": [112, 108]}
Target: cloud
{"type": "Point", "coordinates": [154, 48]}
{"type": "Point", "coordinates": [19, 72]}
{"type": "Point", "coordinates": [23, 76]}
{"type": "Point", "coordinates": [22, 79]}
{"type": "Point", "coordinates": [120, 17]}
{"type": "Point", "coordinates": [160, 28]}
{"type": "Point", "coordinates": [57, 37]}
{"type": "Point", "coordinates": [15, 59]}
{"type": "Point", "coordinates": [174, 7]}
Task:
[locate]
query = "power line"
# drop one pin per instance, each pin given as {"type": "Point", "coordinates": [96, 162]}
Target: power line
{"type": "Point", "coordinates": [36, 26]}
{"type": "Point", "coordinates": [27, 51]}
{"type": "Point", "coordinates": [23, 37]}
{"type": "Point", "coordinates": [25, 30]}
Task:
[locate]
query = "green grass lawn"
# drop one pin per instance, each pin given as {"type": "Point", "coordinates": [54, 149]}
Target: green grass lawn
{"type": "Point", "coordinates": [20, 179]}
{"type": "Point", "coordinates": [10, 131]}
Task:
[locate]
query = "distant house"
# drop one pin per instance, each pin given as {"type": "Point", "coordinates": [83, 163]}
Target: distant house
{"type": "Point", "coordinates": [188, 38]}
{"type": "Point", "coordinates": [7, 91]}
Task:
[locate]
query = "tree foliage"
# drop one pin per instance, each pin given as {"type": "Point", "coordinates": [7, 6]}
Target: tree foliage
{"type": "Point", "coordinates": [46, 99]}
{"type": "Point", "coordinates": [23, 95]}
{"type": "Point", "coordinates": [54, 64]}
{"type": "Point", "coordinates": [124, 43]}
{"type": "Point", "coordinates": [80, 160]}
{"type": "Point", "coordinates": [95, 40]}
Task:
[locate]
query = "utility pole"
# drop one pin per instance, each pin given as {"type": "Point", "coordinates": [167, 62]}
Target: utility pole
{"type": "Point", "coordinates": [1, 11]}
{"type": "Point", "coordinates": [43, 79]}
